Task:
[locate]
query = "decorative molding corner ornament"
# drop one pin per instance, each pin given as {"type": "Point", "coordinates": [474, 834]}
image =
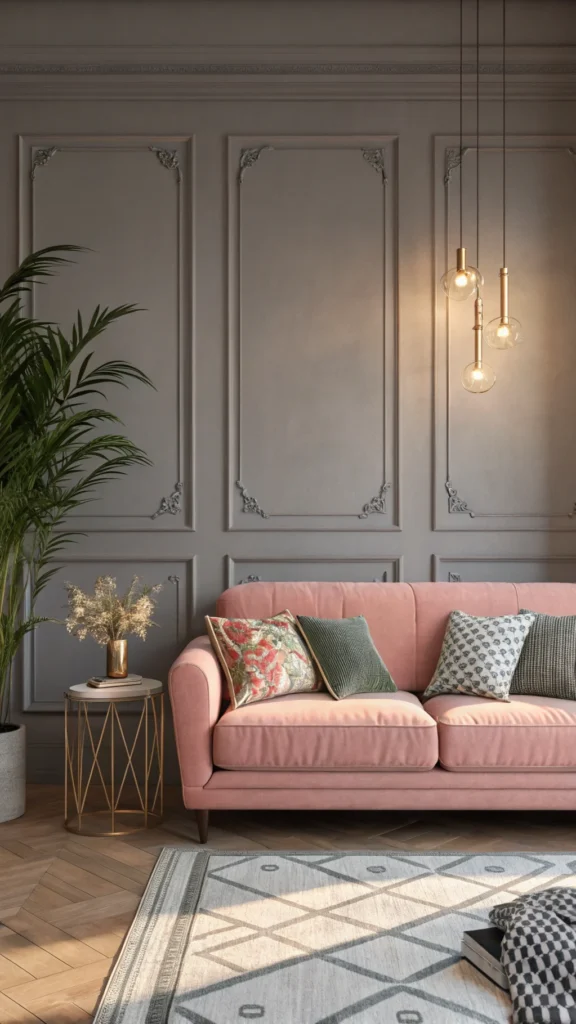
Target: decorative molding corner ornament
{"type": "Point", "coordinates": [41, 157]}
{"type": "Point", "coordinates": [453, 160]}
{"type": "Point", "coordinates": [454, 577]}
{"type": "Point", "coordinates": [175, 580]}
{"type": "Point", "coordinates": [169, 159]}
{"type": "Point", "coordinates": [252, 578]}
{"type": "Point", "coordinates": [249, 504]}
{"type": "Point", "coordinates": [455, 502]}
{"type": "Point", "coordinates": [248, 158]}
{"type": "Point", "coordinates": [376, 504]}
{"type": "Point", "coordinates": [171, 505]}
{"type": "Point", "coordinates": [375, 157]}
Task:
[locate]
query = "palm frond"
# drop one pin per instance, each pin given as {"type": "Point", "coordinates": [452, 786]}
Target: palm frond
{"type": "Point", "coordinates": [54, 455]}
{"type": "Point", "coordinates": [37, 265]}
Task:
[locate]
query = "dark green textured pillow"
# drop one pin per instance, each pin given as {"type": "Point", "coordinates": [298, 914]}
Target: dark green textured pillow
{"type": "Point", "coordinates": [547, 664]}
{"type": "Point", "coordinates": [345, 656]}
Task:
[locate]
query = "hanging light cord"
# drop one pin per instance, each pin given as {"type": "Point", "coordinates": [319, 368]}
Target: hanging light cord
{"type": "Point", "coordinates": [477, 133]}
{"type": "Point", "coordinates": [461, 116]}
{"type": "Point", "coordinates": [503, 133]}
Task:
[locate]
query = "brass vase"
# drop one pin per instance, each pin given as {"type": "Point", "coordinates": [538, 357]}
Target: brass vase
{"type": "Point", "coordinates": [117, 659]}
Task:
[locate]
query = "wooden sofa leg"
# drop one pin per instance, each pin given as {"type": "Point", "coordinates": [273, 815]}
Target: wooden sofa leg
{"type": "Point", "coordinates": [202, 818]}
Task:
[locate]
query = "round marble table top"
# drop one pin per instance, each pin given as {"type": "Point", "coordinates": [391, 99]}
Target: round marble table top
{"type": "Point", "coordinates": [132, 691]}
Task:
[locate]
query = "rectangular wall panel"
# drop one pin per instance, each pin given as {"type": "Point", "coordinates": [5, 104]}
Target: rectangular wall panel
{"type": "Point", "coordinates": [505, 460]}
{"type": "Point", "coordinates": [128, 200]}
{"type": "Point", "coordinates": [312, 343]}
{"type": "Point", "coordinates": [551, 569]}
{"type": "Point", "coordinates": [364, 570]}
{"type": "Point", "coordinates": [54, 660]}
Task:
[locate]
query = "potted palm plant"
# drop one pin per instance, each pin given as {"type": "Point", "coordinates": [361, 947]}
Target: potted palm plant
{"type": "Point", "coordinates": [54, 456]}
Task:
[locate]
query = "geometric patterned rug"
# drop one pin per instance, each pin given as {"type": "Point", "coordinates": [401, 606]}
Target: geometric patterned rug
{"type": "Point", "coordinates": [298, 938]}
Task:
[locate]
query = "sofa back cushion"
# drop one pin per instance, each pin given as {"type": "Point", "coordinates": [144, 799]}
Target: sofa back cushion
{"type": "Point", "coordinates": [387, 607]}
{"type": "Point", "coordinates": [433, 604]}
{"type": "Point", "coordinates": [407, 621]}
{"type": "Point", "coordinates": [435, 601]}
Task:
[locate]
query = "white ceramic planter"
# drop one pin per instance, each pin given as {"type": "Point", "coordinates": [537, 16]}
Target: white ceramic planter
{"type": "Point", "coordinates": [12, 773]}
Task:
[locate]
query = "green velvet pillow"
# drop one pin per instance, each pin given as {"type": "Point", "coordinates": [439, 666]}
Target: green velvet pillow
{"type": "Point", "coordinates": [345, 656]}
{"type": "Point", "coordinates": [547, 665]}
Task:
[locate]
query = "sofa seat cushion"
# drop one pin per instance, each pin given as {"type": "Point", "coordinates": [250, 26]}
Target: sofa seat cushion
{"type": "Point", "coordinates": [312, 731]}
{"type": "Point", "coordinates": [527, 734]}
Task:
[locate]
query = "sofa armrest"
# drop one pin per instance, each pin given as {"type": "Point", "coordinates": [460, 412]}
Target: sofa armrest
{"type": "Point", "coordinates": [195, 685]}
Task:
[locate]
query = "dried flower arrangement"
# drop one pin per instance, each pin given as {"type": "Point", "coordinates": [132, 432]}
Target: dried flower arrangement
{"type": "Point", "coordinates": [105, 616]}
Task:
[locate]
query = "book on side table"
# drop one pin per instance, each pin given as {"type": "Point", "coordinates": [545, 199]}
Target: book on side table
{"type": "Point", "coordinates": [99, 682]}
{"type": "Point", "coordinates": [482, 948]}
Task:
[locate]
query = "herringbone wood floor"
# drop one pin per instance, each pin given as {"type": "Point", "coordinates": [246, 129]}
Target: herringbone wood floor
{"type": "Point", "coordinates": [67, 901]}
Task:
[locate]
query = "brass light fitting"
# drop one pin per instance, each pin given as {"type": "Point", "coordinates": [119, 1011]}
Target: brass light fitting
{"type": "Point", "coordinates": [478, 376]}
{"type": "Point", "coordinates": [504, 331]}
{"type": "Point", "coordinates": [461, 281]}
{"type": "Point", "coordinates": [504, 295]}
{"type": "Point", "coordinates": [478, 330]}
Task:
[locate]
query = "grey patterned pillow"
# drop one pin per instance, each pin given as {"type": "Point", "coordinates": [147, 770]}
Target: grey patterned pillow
{"type": "Point", "coordinates": [547, 665]}
{"type": "Point", "coordinates": [479, 655]}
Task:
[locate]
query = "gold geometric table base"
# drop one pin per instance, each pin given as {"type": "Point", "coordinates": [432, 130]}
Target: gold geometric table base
{"type": "Point", "coordinates": [107, 760]}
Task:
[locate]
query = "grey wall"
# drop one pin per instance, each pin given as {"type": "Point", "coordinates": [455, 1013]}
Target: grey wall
{"type": "Point", "coordinates": [273, 183]}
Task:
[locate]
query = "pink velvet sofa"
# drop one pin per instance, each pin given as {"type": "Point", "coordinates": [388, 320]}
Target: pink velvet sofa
{"type": "Point", "coordinates": [374, 751]}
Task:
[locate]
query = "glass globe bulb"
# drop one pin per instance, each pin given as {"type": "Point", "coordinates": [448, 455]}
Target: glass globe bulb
{"type": "Point", "coordinates": [461, 284]}
{"type": "Point", "coordinates": [478, 378]}
{"type": "Point", "coordinates": [503, 334]}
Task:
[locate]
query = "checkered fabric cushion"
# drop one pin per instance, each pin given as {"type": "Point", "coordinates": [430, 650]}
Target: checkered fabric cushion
{"type": "Point", "coordinates": [547, 665]}
{"type": "Point", "coordinates": [539, 955]}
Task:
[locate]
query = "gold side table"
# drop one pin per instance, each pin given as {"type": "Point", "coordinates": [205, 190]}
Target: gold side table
{"type": "Point", "coordinates": [103, 756]}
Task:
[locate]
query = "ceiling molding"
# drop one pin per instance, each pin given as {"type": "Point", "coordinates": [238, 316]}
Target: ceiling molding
{"type": "Point", "coordinates": [48, 59]}
{"type": "Point", "coordinates": [265, 88]}
{"type": "Point", "coordinates": [344, 68]}
{"type": "Point", "coordinates": [279, 72]}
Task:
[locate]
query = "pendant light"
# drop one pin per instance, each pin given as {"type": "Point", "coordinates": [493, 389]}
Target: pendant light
{"type": "Point", "coordinates": [461, 281]}
{"type": "Point", "coordinates": [478, 377]}
{"type": "Point", "coordinates": [504, 331]}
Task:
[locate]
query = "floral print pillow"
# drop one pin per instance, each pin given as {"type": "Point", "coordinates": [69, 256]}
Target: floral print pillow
{"type": "Point", "coordinates": [262, 658]}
